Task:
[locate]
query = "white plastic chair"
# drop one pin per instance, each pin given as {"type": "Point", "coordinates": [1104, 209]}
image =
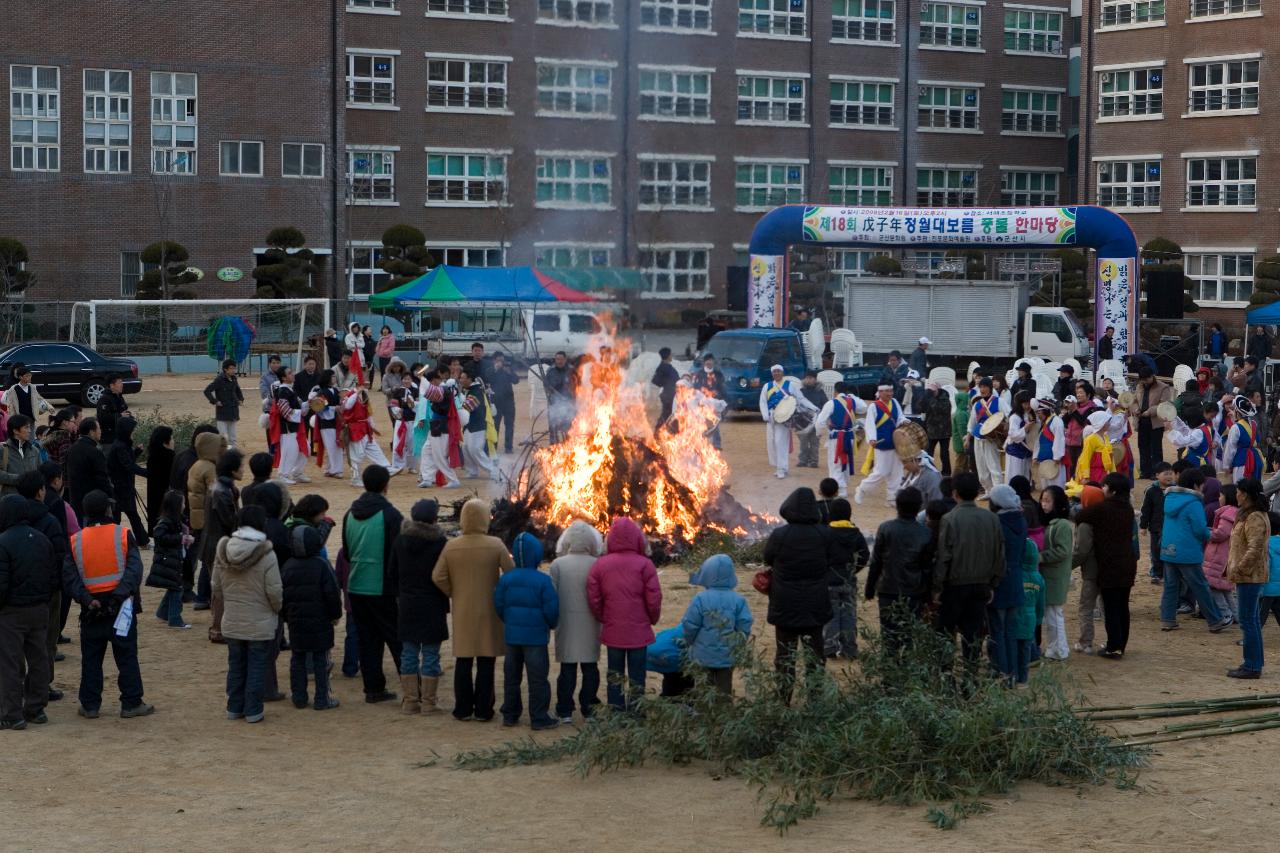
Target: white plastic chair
{"type": "Point", "coordinates": [828, 379]}
{"type": "Point", "coordinates": [815, 343]}
{"type": "Point", "coordinates": [845, 353]}
{"type": "Point", "coordinates": [1113, 369]}
{"type": "Point", "coordinates": [537, 393]}
{"type": "Point", "coordinates": [944, 376]}
{"type": "Point", "coordinates": [641, 371]}
{"type": "Point", "coordinates": [1182, 374]}
{"type": "Point", "coordinates": [1074, 364]}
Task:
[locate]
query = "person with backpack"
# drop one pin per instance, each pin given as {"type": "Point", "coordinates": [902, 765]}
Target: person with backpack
{"type": "Point", "coordinates": [526, 602]}
{"type": "Point", "coordinates": [312, 604]}
{"type": "Point", "coordinates": [171, 541]}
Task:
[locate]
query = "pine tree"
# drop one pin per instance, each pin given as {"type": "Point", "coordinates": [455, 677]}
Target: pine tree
{"type": "Point", "coordinates": [287, 268]}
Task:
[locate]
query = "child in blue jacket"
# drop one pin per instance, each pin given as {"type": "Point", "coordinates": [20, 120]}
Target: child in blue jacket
{"type": "Point", "coordinates": [1269, 603]}
{"type": "Point", "coordinates": [529, 608]}
{"type": "Point", "coordinates": [717, 622]}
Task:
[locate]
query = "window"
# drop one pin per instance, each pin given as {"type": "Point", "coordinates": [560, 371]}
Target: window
{"type": "Point", "coordinates": [943, 187]}
{"type": "Point", "coordinates": [107, 117]}
{"type": "Point", "coordinates": [861, 102]}
{"type": "Point", "coordinates": [853, 262]}
{"type": "Point", "coordinates": [1131, 92]}
{"type": "Point", "coordinates": [475, 255]}
{"type": "Point", "coordinates": [1221, 277]}
{"type": "Point", "coordinates": [675, 94]}
{"type": "Point", "coordinates": [675, 271]}
{"type": "Point", "coordinates": [1119, 13]}
{"type": "Point", "coordinates": [471, 8]}
{"type": "Point", "coordinates": [771, 100]}
{"type": "Point", "coordinates": [1033, 31]}
{"type": "Point", "coordinates": [863, 20]}
{"type": "Point", "coordinates": [761, 186]}
{"type": "Point", "coordinates": [574, 90]}
{"type": "Point", "coordinates": [1030, 111]}
{"type": "Point", "coordinates": [302, 160]}
{"type": "Point", "coordinates": [1028, 188]}
{"type": "Point", "coordinates": [130, 273]}
{"type": "Point", "coordinates": [466, 177]}
{"type": "Point", "coordinates": [576, 12]}
{"type": "Point", "coordinates": [951, 25]}
{"type": "Point", "coordinates": [34, 118]}
{"type": "Point", "coordinates": [676, 14]}
{"type": "Point", "coordinates": [1222, 181]}
{"type": "Point", "coordinates": [371, 175]}
{"type": "Point", "coordinates": [772, 17]}
{"type": "Point", "coordinates": [371, 79]}
{"type": "Point", "coordinates": [1219, 86]}
{"type": "Point", "coordinates": [466, 84]}
{"type": "Point", "coordinates": [573, 179]}
{"type": "Point", "coordinates": [948, 107]}
{"type": "Point", "coordinates": [860, 184]}
{"type": "Point", "coordinates": [1129, 183]}
{"type": "Point", "coordinates": [378, 5]}
{"type": "Point", "coordinates": [674, 184]}
{"type": "Point", "coordinates": [1218, 8]}
{"type": "Point", "coordinates": [585, 255]}
{"type": "Point", "coordinates": [173, 123]}
{"type": "Point", "coordinates": [365, 275]}
{"type": "Point", "coordinates": [241, 159]}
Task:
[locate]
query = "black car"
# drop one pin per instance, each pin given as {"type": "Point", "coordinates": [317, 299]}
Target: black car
{"type": "Point", "coordinates": [68, 371]}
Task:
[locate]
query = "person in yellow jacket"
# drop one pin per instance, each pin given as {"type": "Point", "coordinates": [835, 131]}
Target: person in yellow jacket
{"type": "Point", "coordinates": [104, 572]}
{"type": "Point", "coordinates": [1096, 457]}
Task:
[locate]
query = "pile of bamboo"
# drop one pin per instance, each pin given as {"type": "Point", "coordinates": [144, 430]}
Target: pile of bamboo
{"type": "Point", "coordinates": [1191, 708]}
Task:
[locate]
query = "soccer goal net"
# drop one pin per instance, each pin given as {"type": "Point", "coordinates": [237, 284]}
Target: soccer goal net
{"type": "Point", "coordinates": [141, 327]}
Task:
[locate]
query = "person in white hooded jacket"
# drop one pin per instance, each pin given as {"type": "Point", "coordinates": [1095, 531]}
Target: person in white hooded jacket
{"type": "Point", "coordinates": [578, 632]}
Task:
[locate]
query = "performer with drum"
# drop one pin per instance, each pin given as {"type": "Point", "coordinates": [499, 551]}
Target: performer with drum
{"type": "Point", "coordinates": [1022, 431]}
{"type": "Point", "coordinates": [323, 403]}
{"type": "Point", "coordinates": [1241, 448]}
{"type": "Point", "coordinates": [883, 417]}
{"type": "Point", "coordinates": [1197, 443]}
{"type": "Point", "coordinates": [987, 429]}
{"type": "Point", "coordinates": [777, 417]}
{"type": "Point", "coordinates": [839, 419]}
{"type": "Point", "coordinates": [1051, 446]}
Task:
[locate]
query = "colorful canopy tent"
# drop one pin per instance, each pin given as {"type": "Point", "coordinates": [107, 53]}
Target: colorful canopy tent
{"type": "Point", "coordinates": [478, 284]}
{"type": "Point", "coordinates": [594, 279]}
{"type": "Point", "coordinates": [1264, 315]}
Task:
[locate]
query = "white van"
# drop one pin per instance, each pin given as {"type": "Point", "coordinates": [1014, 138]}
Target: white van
{"type": "Point", "coordinates": [527, 333]}
{"type": "Point", "coordinates": [549, 330]}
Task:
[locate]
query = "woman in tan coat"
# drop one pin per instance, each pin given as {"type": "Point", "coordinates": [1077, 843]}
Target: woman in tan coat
{"type": "Point", "coordinates": [467, 571]}
{"type": "Point", "coordinates": [1247, 568]}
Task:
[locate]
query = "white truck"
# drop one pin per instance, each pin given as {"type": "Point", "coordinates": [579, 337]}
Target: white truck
{"type": "Point", "coordinates": [522, 331]}
{"type": "Point", "coordinates": [963, 319]}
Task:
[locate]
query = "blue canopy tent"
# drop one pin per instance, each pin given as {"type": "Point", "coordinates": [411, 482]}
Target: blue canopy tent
{"type": "Point", "coordinates": [495, 285]}
{"type": "Point", "coordinates": [1264, 315]}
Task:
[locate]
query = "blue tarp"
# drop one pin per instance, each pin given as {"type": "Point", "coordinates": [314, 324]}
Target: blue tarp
{"type": "Point", "coordinates": [1265, 315]}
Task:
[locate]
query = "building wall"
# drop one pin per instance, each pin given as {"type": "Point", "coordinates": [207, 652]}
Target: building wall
{"type": "Point", "coordinates": [263, 74]}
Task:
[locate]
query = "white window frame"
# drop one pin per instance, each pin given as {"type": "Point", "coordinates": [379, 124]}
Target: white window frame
{"type": "Point", "coordinates": [668, 180]}
{"type": "Point", "coordinates": [467, 85]}
{"type": "Point", "coordinates": [111, 110]}
{"type": "Point", "coordinates": [440, 249]}
{"type": "Point", "coordinates": [792, 190]}
{"type": "Point", "coordinates": [773, 19]}
{"type": "Point", "coordinates": [948, 195]}
{"type": "Point", "coordinates": [773, 102]}
{"type": "Point", "coordinates": [964, 35]}
{"type": "Point", "coordinates": [948, 117]}
{"type": "Point", "coordinates": [861, 108]}
{"type": "Point", "coordinates": [580, 255]}
{"type": "Point", "coordinates": [573, 181]}
{"type": "Point", "coordinates": [653, 13]}
{"type": "Point", "coordinates": [303, 148]}
{"type": "Point", "coordinates": [133, 274]}
{"type": "Point", "coordinates": [1243, 187]}
{"type": "Point", "coordinates": [842, 23]}
{"type": "Point", "coordinates": [1195, 263]}
{"type": "Point", "coordinates": [386, 181]}
{"type": "Point", "coordinates": [842, 267]}
{"type": "Point", "coordinates": [373, 272]}
{"type": "Point", "coordinates": [489, 182]}
{"type": "Point", "coordinates": [380, 89]}
{"type": "Point", "coordinates": [174, 111]}
{"type": "Point", "coordinates": [673, 98]}
{"type": "Point", "coordinates": [373, 7]}
{"type": "Point", "coordinates": [1122, 192]}
{"type": "Point", "coordinates": [1131, 14]}
{"type": "Point", "coordinates": [1201, 96]}
{"type": "Point", "coordinates": [37, 105]}
{"type": "Point", "coordinates": [240, 144]}
{"type": "Point", "coordinates": [461, 9]}
{"type": "Point", "coordinates": [655, 268]}
{"type": "Point", "coordinates": [549, 12]}
{"type": "Point", "coordinates": [1209, 10]}
{"type": "Point", "coordinates": [1025, 29]}
{"type": "Point", "coordinates": [573, 90]}
{"type": "Point", "coordinates": [1039, 120]}
{"type": "Point", "coordinates": [1131, 103]}
{"type": "Point", "coordinates": [1030, 196]}
{"type": "Point", "coordinates": [861, 193]}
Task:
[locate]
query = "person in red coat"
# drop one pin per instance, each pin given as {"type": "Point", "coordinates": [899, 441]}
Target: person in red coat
{"type": "Point", "coordinates": [626, 599]}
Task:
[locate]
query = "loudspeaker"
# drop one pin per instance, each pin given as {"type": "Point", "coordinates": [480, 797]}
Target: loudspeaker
{"type": "Point", "coordinates": [736, 292]}
{"type": "Point", "coordinates": [1164, 294]}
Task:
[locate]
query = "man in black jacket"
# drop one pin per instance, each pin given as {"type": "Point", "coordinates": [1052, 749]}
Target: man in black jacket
{"type": "Point", "coordinates": [86, 466]}
{"type": "Point", "coordinates": [1066, 383]}
{"type": "Point", "coordinates": [1024, 382]}
{"type": "Point", "coordinates": [31, 486]}
{"type": "Point", "coordinates": [665, 379]}
{"type": "Point", "coordinates": [224, 394]}
{"type": "Point", "coordinates": [901, 566]}
{"type": "Point", "coordinates": [122, 468]}
{"type": "Point", "coordinates": [501, 379]}
{"type": "Point", "coordinates": [28, 575]}
{"type": "Point", "coordinates": [111, 407]}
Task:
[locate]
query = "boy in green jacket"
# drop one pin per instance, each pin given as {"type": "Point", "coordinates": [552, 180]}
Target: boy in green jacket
{"type": "Point", "coordinates": [1031, 614]}
{"type": "Point", "coordinates": [962, 459]}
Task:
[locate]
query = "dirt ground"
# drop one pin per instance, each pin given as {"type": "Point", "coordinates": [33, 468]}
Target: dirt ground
{"type": "Point", "coordinates": [365, 777]}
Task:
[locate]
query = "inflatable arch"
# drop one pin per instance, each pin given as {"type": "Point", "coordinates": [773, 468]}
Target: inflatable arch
{"type": "Point", "coordinates": [1116, 293]}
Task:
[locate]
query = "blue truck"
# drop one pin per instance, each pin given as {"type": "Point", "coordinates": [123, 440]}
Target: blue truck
{"type": "Point", "coordinates": [744, 356]}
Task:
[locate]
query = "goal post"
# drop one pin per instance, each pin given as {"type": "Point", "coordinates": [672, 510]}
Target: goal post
{"type": "Point", "coordinates": [174, 327]}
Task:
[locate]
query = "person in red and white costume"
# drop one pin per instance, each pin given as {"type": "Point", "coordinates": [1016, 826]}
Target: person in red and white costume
{"type": "Point", "coordinates": [400, 408]}
{"type": "Point", "coordinates": [362, 443]}
{"type": "Point", "coordinates": [287, 431]}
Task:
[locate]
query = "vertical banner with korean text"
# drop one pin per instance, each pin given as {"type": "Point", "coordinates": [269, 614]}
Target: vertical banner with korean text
{"type": "Point", "coordinates": [766, 301]}
{"type": "Point", "coordinates": [1116, 303]}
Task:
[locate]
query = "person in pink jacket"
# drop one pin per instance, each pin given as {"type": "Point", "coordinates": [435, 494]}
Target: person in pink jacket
{"type": "Point", "coordinates": [1215, 554]}
{"type": "Point", "coordinates": [624, 596]}
{"type": "Point", "coordinates": [385, 349]}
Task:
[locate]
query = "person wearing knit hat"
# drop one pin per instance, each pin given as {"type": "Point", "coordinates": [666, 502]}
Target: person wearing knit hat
{"type": "Point", "coordinates": [778, 436]}
{"type": "Point", "coordinates": [1008, 597]}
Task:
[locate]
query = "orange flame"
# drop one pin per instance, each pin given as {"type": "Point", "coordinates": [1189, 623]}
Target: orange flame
{"type": "Point", "coordinates": [612, 462]}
